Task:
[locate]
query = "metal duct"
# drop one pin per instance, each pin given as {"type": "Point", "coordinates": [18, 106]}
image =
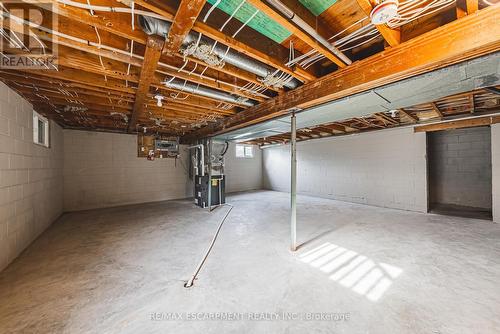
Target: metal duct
{"type": "Point", "coordinates": [153, 26]}
{"type": "Point", "coordinates": [308, 29]}
{"type": "Point", "coordinates": [207, 92]}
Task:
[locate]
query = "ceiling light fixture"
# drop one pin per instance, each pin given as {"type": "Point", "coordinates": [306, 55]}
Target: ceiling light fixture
{"type": "Point", "coordinates": [159, 99]}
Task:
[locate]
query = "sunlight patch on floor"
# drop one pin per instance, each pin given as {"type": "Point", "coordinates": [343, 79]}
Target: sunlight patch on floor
{"type": "Point", "coordinates": [352, 270]}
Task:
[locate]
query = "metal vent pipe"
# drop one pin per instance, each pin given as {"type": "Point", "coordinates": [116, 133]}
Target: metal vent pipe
{"type": "Point", "coordinates": [153, 26]}
{"type": "Point", "coordinates": [287, 12]}
{"type": "Point", "coordinates": [207, 92]}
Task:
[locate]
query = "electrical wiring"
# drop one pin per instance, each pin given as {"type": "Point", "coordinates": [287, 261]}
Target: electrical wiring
{"type": "Point", "coordinates": [211, 10]}
{"type": "Point", "coordinates": [411, 10]}
{"type": "Point", "coordinates": [110, 9]}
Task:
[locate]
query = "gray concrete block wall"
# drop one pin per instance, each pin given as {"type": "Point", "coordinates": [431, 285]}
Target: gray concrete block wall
{"type": "Point", "coordinates": [31, 187]}
{"type": "Point", "coordinates": [495, 161]}
{"type": "Point", "coordinates": [243, 174]}
{"type": "Point", "coordinates": [385, 168]}
{"type": "Point", "coordinates": [103, 170]}
{"type": "Point", "coordinates": [460, 167]}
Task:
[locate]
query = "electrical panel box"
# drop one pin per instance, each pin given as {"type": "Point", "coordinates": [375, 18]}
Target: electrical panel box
{"type": "Point", "coordinates": [167, 146]}
{"type": "Point", "coordinates": [151, 147]}
{"type": "Point", "coordinates": [217, 187]}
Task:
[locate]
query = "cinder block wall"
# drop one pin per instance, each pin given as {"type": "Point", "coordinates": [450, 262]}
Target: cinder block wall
{"type": "Point", "coordinates": [243, 174]}
{"type": "Point", "coordinates": [103, 170]}
{"type": "Point", "coordinates": [386, 168]}
{"type": "Point", "coordinates": [460, 167]}
{"type": "Point", "coordinates": [495, 162]}
{"type": "Point", "coordinates": [31, 187]}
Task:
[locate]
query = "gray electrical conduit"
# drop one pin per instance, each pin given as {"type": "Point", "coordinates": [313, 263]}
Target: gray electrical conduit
{"type": "Point", "coordinates": [308, 29]}
{"type": "Point", "coordinates": [190, 282]}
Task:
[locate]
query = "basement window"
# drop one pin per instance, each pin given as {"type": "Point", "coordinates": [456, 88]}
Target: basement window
{"type": "Point", "coordinates": [40, 130]}
{"type": "Point", "coordinates": [244, 151]}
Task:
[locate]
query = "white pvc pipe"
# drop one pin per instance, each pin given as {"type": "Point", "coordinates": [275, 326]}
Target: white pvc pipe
{"type": "Point", "coordinates": [200, 146]}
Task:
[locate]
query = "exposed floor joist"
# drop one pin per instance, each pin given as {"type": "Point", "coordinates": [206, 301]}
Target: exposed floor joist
{"type": "Point", "coordinates": [450, 44]}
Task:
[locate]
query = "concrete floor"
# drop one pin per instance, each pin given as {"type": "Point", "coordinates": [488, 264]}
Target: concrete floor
{"type": "Point", "coordinates": [364, 269]}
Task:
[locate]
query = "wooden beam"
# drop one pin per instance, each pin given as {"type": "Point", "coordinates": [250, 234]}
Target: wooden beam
{"type": "Point", "coordinates": [305, 14]}
{"type": "Point", "coordinates": [493, 90]}
{"type": "Point", "coordinates": [184, 19]}
{"type": "Point", "coordinates": [472, 103]}
{"type": "Point", "coordinates": [441, 47]}
{"type": "Point", "coordinates": [391, 36]}
{"type": "Point", "coordinates": [81, 77]}
{"type": "Point", "coordinates": [410, 117]}
{"type": "Point", "coordinates": [107, 27]}
{"type": "Point", "coordinates": [152, 55]}
{"type": "Point", "coordinates": [472, 6]}
{"type": "Point", "coordinates": [436, 109]}
{"type": "Point", "coordinates": [264, 8]}
{"type": "Point", "coordinates": [459, 124]}
{"type": "Point", "coordinates": [385, 119]}
{"type": "Point", "coordinates": [222, 38]}
{"type": "Point", "coordinates": [82, 61]}
{"type": "Point", "coordinates": [460, 11]}
{"type": "Point", "coordinates": [37, 80]}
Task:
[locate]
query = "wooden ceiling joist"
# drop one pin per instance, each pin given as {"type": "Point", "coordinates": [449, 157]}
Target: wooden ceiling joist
{"type": "Point", "coordinates": [108, 75]}
{"type": "Point", "coordinates": [82, 77]}
{"type": "Point", "coordinates": [459, 124]}
{"type": "Point", "coordinates": [447, 45]}
{"type": "Point", "coordinates": [408, 115]}
{"type": "Point", "coordinates": [487, 103]}
{"type": "Point", "coordinates": [472, 6]}
{"type": "Point", "coordinates": [313, 43]}
{"type": "Point", "coordinates": [152, 55]}
{"type": "Point", "coordinates": [391, 36]}
{"type": "Point", "coordinates": [436, 109]}
{"type": "Point", "coordinates": [109, 22]}
{"type": "Point", "coordinates": [216, 35]}
{"type": "Point", "coordinates": [183, 22]}
{"type": "Point", "coordinates": [34, 82]}
{"type": "Point", "coordinates": [79, 60]}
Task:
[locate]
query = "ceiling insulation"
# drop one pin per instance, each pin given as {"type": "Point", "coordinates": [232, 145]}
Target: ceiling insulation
{"type": "Point", "coordinates": [261, 22]}
{"type": "Point", "coordinates": [317, 6]}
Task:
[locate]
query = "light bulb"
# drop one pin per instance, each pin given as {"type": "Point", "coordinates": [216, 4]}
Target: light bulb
{"type": "Point", "coordinates": [159, 99]}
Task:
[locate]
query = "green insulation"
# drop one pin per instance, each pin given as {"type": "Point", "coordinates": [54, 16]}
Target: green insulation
{"type": "Point", "coordinates": [261, 22]}
{"type": "Point", "coordinates": [317, 6]}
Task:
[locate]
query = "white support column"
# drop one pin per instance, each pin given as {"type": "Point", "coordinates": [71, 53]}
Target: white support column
{"type": "Point", "coordinates": [293, 185]}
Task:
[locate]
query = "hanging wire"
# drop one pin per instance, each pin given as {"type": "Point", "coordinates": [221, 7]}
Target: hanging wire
{"type": "Point", "coordinates": [211, 10]}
